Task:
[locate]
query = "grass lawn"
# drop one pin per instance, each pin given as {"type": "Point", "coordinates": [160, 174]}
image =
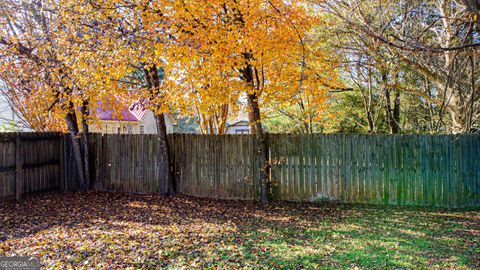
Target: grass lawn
{"type": "Point", "coordinates": [74, 230]}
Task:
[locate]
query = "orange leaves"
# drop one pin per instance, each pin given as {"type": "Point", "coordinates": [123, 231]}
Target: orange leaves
{"type": "Point", "coordinates": [98, 49]}
{"type": "Point", "coordinates": [128, 231]}
{"type": "Point", "coordinates": [274, 33]}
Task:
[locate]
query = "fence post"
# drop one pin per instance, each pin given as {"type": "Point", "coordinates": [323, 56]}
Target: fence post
{"type": "Point", "coordinates": [18, 168]}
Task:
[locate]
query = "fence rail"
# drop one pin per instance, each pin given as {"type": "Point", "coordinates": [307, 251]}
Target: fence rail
{"type": "Point", "coordinates": [423, 170]}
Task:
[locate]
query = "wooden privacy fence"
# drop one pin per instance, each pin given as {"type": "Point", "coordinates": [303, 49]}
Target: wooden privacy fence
{"type": "Point", "coordinates": [216, 166]}
{"type": "Point", "coordinates": [125, 163]}
{"type": "Point", "coordinates": [441, 170]}
{"type": "Point", "coordinates": [424, 170]}
{"type": "Point", "coordinates": [30, 162]}
{"type": "Point", "coordinates": [204, 166]}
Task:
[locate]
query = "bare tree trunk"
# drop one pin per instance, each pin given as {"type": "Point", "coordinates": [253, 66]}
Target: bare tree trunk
{"type": "Point", "coordinates": [388, 109]}
{"type": "Point", "coordinates": [153, 82]}
{"type": "Point", "coordinates": [369, 104]}
{"type": "Point", "coordinates": [396, 114]}
{"type": "Point", "coordinates": [71, 120]}
{"type": "Point", "coordinates": [458, 114]}
{"type": "Point", "coordinates": [371, 124]}
{"type": "Point", "coordinates": [368, 101]}
{"type": "Point", "coordinates": [392, 116]}
{"type": "Point", "coordinates": [86, 163]}
{"type": "Point", "coordinates": [367, 97]}
{"type": "Point", "coordinates": [473, 80]}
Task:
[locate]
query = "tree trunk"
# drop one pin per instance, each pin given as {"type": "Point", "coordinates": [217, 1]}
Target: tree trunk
{"type": "Point", "coordinates": [257, 129]}
{"type": "Point", "coordinates": [371, 124]}
{"type": "Point", "coordinates": [368, 100]}
{"type": "Point", "coordinates": [392, 116]}
{"type": "Point", "coordinates": [86, 163]}
{"type": "Point", "coordinates": [395, 128]}
{"type": "Point", "coordinates": [153, 83]}
{"type": "Point", "coordinates": [261, 146]}
{"type": "Point", "coordinates": [458, 116]}
{"type": "Point", "coordinates": [367, 105]}
{"type": "Point", "coordinates": [168, 187]}
{"type": "Point", "coordinates": [251, 120]}
{"type": "Point", "coordinates": [71, 120]}
{"type": "Point", "coordinates": [222, 121]}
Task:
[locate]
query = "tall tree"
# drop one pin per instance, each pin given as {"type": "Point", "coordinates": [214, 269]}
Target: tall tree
{"type": "Point", "coordinates": [32, 47]}
{"type": "Point", "coordinates": [262, 49]}
{"type": "Point", "coordinates": [125, 46]}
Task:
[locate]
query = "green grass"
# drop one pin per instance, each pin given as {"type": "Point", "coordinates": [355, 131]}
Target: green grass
{"type": "Point", "coordinates": [100, 230]}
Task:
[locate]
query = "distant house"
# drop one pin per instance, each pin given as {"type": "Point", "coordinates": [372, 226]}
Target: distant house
{"type": "Point", "coordinates": [238, 127]}
{"type": "Point", "coordinates": [134, 119]}
{"type": "Point", "coordinates": [10, 119]}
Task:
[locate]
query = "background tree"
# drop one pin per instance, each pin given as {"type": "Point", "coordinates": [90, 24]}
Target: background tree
{"type": "Point", "coordinates": [206, 96]}
{"type": "Point", "coordinates": [435, 39]}
{"type": "Point", "coordinates": [29, 112]}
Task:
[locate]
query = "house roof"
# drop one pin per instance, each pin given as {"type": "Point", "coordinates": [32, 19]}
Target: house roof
{"type": "Point", "coordinates": [240, 117]}
{"type": "Point", "coordinates": [239, 123]}
{"type": "Point", "coordinates": [138, 110]}
{"type": "Point", "coordinates": [133, 113]}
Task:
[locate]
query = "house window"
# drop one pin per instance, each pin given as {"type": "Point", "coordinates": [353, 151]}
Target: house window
{"type": "Point", "coordinates": [142, 129]}
{"type": "Point", "coordinates": [129, 128]}
{"type": "Point", "coordinates": [241, 131]}
{"type": "Point", "coordinates": [105, 129]}
{"type": "Point", "coordinates": [119, 130]}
